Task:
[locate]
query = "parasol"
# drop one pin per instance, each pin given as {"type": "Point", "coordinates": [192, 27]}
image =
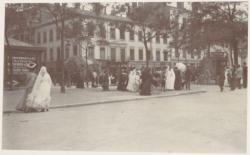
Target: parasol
{"type": "Point", "coordinates": [181, 67]}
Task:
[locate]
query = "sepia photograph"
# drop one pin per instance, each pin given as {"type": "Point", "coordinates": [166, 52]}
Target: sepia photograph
{"type": "Point", "coordinates": [165, 76]}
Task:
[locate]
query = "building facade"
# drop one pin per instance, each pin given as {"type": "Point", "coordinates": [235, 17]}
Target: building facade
{"type": "Point", "coordinates": [113, 46]}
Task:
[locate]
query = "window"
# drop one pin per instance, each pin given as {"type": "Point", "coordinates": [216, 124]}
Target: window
{"type": "Point", "coordinates": [165, 40]}
{"type": "Point", "coordinates": [58, 34]}
{"type": "Point", "coordinates": [177, 53]}
{"type": "Point", "coordinates": [51, 35]}
{"type": "Point", "coordinates": [122, 54]}
{"type": "Point", "coordinates": [112, 33]}
{"type": "Point", "coordinates": [51, 54]}
{"type": "Point", "coordinates": [113, 54]}
{"type": "Point", "coordinates": [158, 55]}
{"type": "Point", "coordinates": [66, 52]}
{"type": "Point", "coordinates": [192, 54]}
{"type": "Point", "coordinates": [122, 34]}
{"type": "Point", "coordinates": [102, 53]}
{"type": "Point", "coordinates": [22, 37]}
{"type": "Point", "coordinates": [45, 56]}
{"type": "Point", "coordinates": [131, 35]}
{"type": "Point", "coordinates": [165, 55]}
{"type": "Point", "coordinates": [140, 54]}
{"type": "Point", "coordinates": [184, 54]}
{"type": "Point", "coordinates": [140, 35]}
{"type": "Point", "coordinates": [184, 21]}
{"type": "Point", "coordinates": [91, 52]}
{"type": "Point", "coordinates": [44, 37]}
{"type": "Point", "coordinates": [75, 50]}
{"type": "Point", "coordinates": [39, 37]}
{"type": "Point", "coordinates": [157, 38]}
{"type": "Point", "coordinates": [132, 54]}
{"type": "Point", "coordinates": [27, 37]}
{"type": "Point", "coordinates": [58, 53]}
{"type": "Point", "coordinates": [102, 31]}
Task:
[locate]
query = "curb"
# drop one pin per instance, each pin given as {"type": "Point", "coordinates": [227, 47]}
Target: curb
{"type": "Point", "coordinates": [112, 101]}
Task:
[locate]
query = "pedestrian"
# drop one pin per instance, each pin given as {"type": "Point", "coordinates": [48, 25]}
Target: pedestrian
{"type": "Point", "coordinates": [244, 75]}
{"type": "Point", "coordinates": [146, 81]}
{"type": "Point", "coordinates": [121, 80]}
{"type": "Point", "coordinates": [221, 79]}
{"type": "Point", "coordinates": [124, 80]}
{"type": "Point", "coordinates": [238, 76]}
{"type": "Point", "coordinates": [170, 78]}
{"type": "Point", "coordinates": [131, 80]}
{"type": "Point", "coordinates": [80, 79]}
{"type": "Point", "coordinates": [39, 99]}
{"type": "Point", "coordinates": [29, 82]}
{"type": "Point", "coordinates": [227, 76]}
{"type": "Point", "coordinates": [94, 79]}
{"type": "Point", "coordinates": [163, 81]}
{"type": "Point", "coordinates": [188, 77]}
{"type": "Point", "coordinates": [231, 77]}
{"type": "Point", "coordinates": [177, 83]}
{"type": "Point", "coordinates": [104, 80]}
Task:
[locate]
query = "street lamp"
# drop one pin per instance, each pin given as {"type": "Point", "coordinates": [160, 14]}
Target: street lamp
{"type": "Point", "coordinates": [89, 45]}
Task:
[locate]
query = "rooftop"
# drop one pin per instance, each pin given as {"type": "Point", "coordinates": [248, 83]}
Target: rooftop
{"type": "Point", "coordinates": [14, 42]}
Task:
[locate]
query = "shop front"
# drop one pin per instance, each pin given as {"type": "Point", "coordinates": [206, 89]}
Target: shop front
{"type": "Point", "coordinates": [16, 57]}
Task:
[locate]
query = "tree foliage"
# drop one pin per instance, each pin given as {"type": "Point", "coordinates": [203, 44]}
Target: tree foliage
{"type": "Point", "coordinates": [218, 23]}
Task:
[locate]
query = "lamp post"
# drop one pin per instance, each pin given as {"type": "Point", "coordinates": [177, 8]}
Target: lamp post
{"type": "Point", "coordinates": [89, 45]}
{"type": "Point", "coordinates": [63, 5]}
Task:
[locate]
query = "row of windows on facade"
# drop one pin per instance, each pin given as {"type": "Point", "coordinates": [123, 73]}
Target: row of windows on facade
{"type": "Point", "coordinates": [103, 35]}
{"type": "Point", "coordinates": [113, 54]}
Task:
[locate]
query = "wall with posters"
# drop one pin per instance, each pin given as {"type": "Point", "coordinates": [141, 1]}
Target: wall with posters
{"type": "Point", "coordinates": [15, 60]}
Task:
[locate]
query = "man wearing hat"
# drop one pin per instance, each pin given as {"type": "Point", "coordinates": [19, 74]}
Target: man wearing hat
{"type": "Point", "coordinates": [29, 82]}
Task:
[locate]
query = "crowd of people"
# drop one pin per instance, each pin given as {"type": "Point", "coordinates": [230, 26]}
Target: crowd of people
{"type": "Point", "coordinates": [38, 86]}
{"type": "Point", "coordinates": [141, 80]}
{"type": "Point", "coordinates": [233, 77]}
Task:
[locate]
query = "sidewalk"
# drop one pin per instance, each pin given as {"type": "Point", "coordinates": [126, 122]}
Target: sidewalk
{"type": "Point", "coordinates": [90, 96]}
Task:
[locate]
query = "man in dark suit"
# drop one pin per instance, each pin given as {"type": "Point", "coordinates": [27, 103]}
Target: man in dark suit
{"type": "Point", "coordinates": [188, 77]}
{"type": "Point", "coordinates": [244, 75]}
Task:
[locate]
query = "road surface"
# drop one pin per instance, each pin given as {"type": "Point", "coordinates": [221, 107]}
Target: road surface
{"type": "Point", "coordinates": [211, 122]}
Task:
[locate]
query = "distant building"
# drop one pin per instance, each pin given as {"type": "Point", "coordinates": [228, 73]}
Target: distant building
{"type": "Point", "coordinates": [115, 46]}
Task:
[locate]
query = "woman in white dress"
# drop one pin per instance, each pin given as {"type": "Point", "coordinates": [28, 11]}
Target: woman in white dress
{"type": "Point", "coordinates": [136, 81]}
{"type": "Point", "coordinates": [227, 71]}
{"type": "Point", "coordinates": [39, 99]}
{"type": "Point", "coordinates": [170, 79]}
{"type": "Point", "coordinates": [131, 80]}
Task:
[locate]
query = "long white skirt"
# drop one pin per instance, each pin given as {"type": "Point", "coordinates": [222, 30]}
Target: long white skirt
{"type": "Point", "coordinates": [169, 85]}
{"type": "Point", "coordinates": [41, 98]}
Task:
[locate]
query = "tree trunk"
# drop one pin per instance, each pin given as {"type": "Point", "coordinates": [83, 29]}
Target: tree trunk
{"type": "Point", "coordinates": [147, 54]}
{"type": "Point", "coordinates": [235, 51]}
{"type": "Point", "coordinates": [62, 52]}
{"type": "Point", "coordinates": [231, 57]}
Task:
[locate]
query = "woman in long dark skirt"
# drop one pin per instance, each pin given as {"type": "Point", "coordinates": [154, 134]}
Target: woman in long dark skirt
{"type": "Point", "coordinates": [177, 83]}
{"type": "Point", "coordinates": [221, 79]}
{"type": "Point", "coordinates": [104, 80]}
{"type": "Point", "coordinates": [30, 80]}
{"type": "Point", "coordinates": [146, 78]}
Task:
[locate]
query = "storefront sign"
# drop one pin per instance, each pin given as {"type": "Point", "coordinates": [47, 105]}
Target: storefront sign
{"type": "Point", "coordinates": [19, 64]}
